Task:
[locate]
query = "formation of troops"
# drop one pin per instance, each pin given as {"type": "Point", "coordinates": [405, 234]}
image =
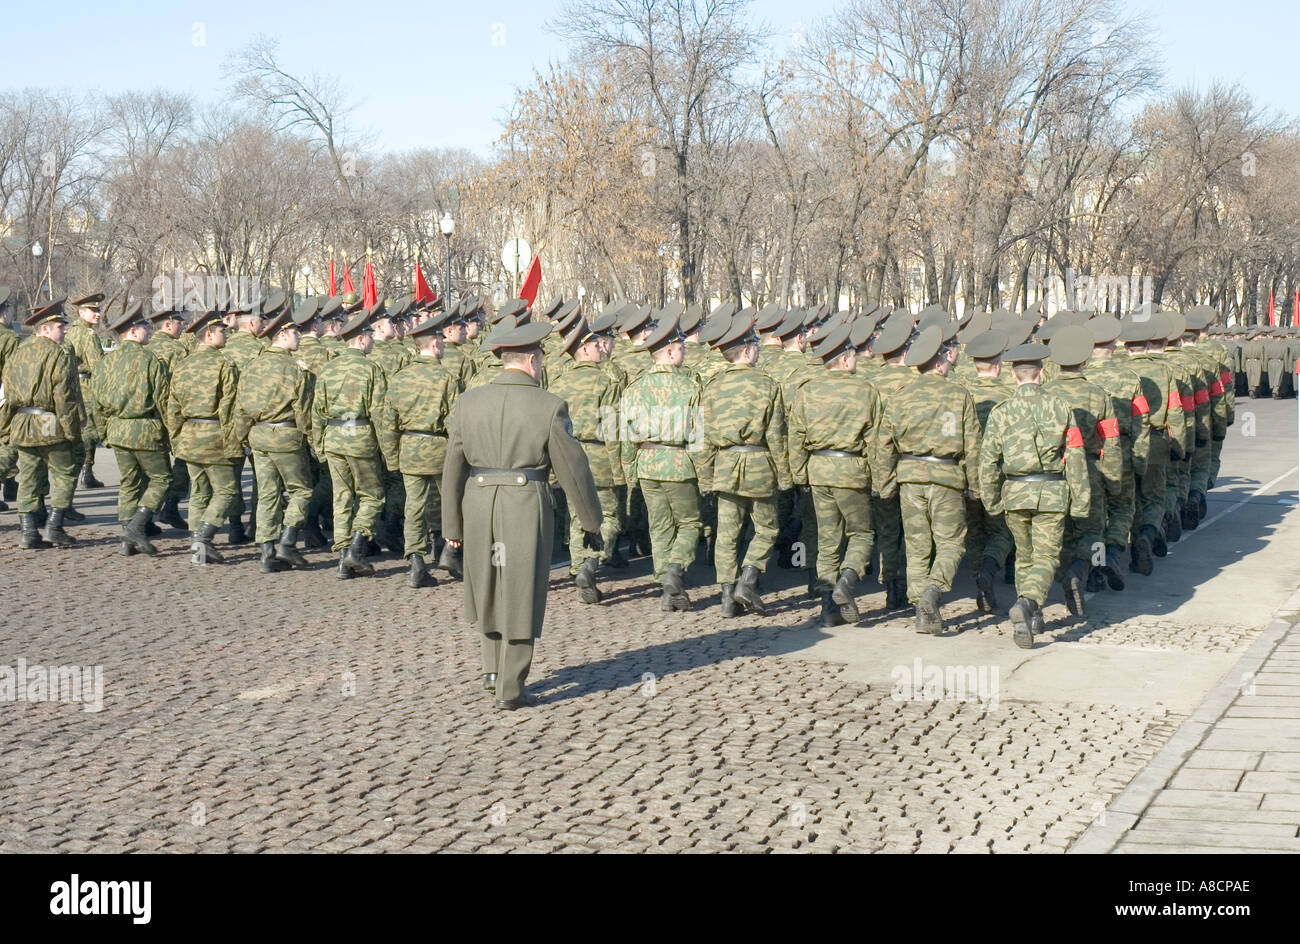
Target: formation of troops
{"type": "Point", "coordinates": [1068, 450]}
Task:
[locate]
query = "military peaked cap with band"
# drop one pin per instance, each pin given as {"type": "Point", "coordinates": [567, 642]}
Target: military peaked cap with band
{"type": "Point", "coordinates": [1198, 319]}
{"type": "Point", "coordinates": [665, 332]}
{"type": "Point", "coordinates": [131, 317]}
{"type": "Point", "coordinates": [820, 333]}
{"type": "Point", "coordinates": [553, 306]}
{"type": "Point", "coordinates": [986, 345]}
{"type": "Point", "coordinates": [634, 317]}
{"type": "Point", "coordinates": [48, 313]}
{"type": "Point", "coordinates": [306, 311]}
{"type": "Point", "coordinates": [92, 300]}
{"type": "Point", "coordinates": [525, 337]}
{"type": "Point", "coordinates": [564, 310]}
{"type": "Point", "coordinates": [201, 323]}
{"type": "Point", "coordinates": [433, 326]}
{"type": "Point", "coordinates": [724, 310]}
{"type": "Point", "coordinates": [769, 317]}
{"type": "Point", "coordinates": [578, 332]}
{"type": "Point", "coordinates": [568, 321]}
{"type": "Point", "coordinates": [358, 323]}
{"type": "Point", "coordinates": [332, 308]}
{"type": "Point", "coordinates": [1105, 329]}
{"type": "Point", "coordinates": [5, 294]}
{"type": "Point", "coordinates": [167, 312]}
{"type": "Point", "coordinates": [793, 322]}
{"type": "Point", "coordinates": [715, 326]}
{"type": "Point", "coordinates": [281, 319]}
{"type": "Point", "coordinates": [1071, 345]}
{"type": "Point", "coordinates": [515, 306]}
{"type": "Point", "coordinates": [1031, 353]}
{"type": "Point", "coordinates": [376, 311]}
{"type": "Point", "coordinates": [860, 331]}
{"type": "Point", "coordinates": [691, 319]}
{"type": "Point", "coordinates": [605, 324]}
{"type": "Point", "coordinates": [740, 331]}
{"type": "Point", "coordinates": [976, 324]}
{"type": "Point", "coordinates": [836, 343]}
{"type": "Point", "coordinates": [897, 332]}
{"type": "Point", "coordinates": [1176, 325]}
{"type": "Point", "coordinates": [273, 302]}
{"type": "Point", "coordinates": [924, 347]}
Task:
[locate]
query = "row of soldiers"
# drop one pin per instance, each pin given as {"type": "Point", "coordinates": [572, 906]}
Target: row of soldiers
{"type": "Point", "coordinates": [1262, 358]}
{"type": "Point", "coordinates": [827, 436]}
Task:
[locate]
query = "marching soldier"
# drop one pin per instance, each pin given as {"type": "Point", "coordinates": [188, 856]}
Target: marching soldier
{"type": "Point", "coordinates": [934, 431]}
{"type": "Point", "coordinates": [657, 442]}
{"type": "Point", "coordinates": [391, 355]}
{"type": "Point", "coordinates": [8, 344]}
{"type": "Point", "coordinates": [592, 395]}
{"type": "Point", "coordinates": [242, 346]}
{"type": "Point", "coordinates": [131, 394]}
{"type": "Point", "coordinates": [165, 344]}
{"type": "Point", "coordinates": [274, 415]}
{"type": "Point", "coordinates": [201, 428]}
{"type": "Point", "coordinates": [41, 419]}
{"type": "Point", "coordinates": [833, 428]}
{"type": "Point", "coordinates": [349, 392]}
{"type": "Point", "coordinates": [1033, 471]}
{"type": "Point", "coordinates": [744, 461]}
{"type": "Point", "coordinates": [413, 430]}
{"type": "Point", "coordinates": [505, 438]}
{"type": "Point", "coordinates": [83, 340]}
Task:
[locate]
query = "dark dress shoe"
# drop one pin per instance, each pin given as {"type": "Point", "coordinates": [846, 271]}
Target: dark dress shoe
{"type": "Point", "coordinates": [513, 704]}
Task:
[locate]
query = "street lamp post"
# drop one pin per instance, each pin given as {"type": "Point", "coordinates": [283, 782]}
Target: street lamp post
{"type": "Point", "coordinates": [37, 249]}
{"type": "Point", "coordinates": [448, 226]}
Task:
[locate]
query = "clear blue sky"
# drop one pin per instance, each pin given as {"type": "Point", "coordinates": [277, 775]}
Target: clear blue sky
{"type": "Point", "coordinates": [443, 73]}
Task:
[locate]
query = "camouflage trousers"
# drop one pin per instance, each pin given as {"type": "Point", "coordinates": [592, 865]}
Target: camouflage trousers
{"type": "Point", "coordinates": [358, 496]}
{"type": "Point", "coordinates": [1178, 478]}
{"type": "Point", "coordinates": [394, 500]}
{"type": "Point", "coordinates": [609, 529]}
{"type": "Point", "coordinates": [1038, 537]}
{"type": "Point", "coordinates": [237, 506]}
{"type": "Point", "coordinates": [934, 535]}
{"type": "Point", "coordinates": [212, 491]}
{"type": "Point", "coordinates": [144, 476]}
{"type": "Point", "coordinates": [1084, 538]}
{"type": "Point", "coordinates": [1199, 470]}
{"type": "Point", "coordinates": [421, 513]}
{"type": "Point", "coordinates": [180, 486]}
{"type": "Point", "coordinates": [887, 522]}
{"type": "Point", "coordinates": [842, 520]}
{"type": "Point", "coordinates": [1216, 448]}
{"type": "Point", "coordinates": [45, 470]}
{"type": "Point", "coordinates": [280, 474]}
{"type": "Point", "coordinates": [987, 537]}
{"type": "Point", "coordinates": [1120, 509]}
{"type": "Point", "coordinates": [1150, 488]}
{"type": "Point", "coordinates": [673, 509]}
{"type": "Point", "coordinates": [733, 512]}
{"type": "Point", "coordinates": [8, 463]}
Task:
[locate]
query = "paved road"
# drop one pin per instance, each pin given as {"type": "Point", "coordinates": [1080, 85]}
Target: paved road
{"type": "Point", "coordinates": [249, 712]}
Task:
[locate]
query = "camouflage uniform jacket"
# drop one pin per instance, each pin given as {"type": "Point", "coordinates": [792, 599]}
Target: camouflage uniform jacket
{"type": "Point", "coordinates": [84, 342]}
{"type": "Point", "coordinates": [929, 417]}
{"type": "Point", "coordinates": [838, 411]}
{"type": "Point", "coordinates": [986, 393]}
{"type": "Point", "coordinates": [1185, 385]}
{"type": "Point", "coordinates": [203, 387]}
{"type": "Point", "coordinates": [660, 407]}
{"type": "Point", "coordinates": [742, 407]}
{"type": "Point", "coordinates": [1094, 416]}
{"type": "Point", "coordinates": [633, 361]}
{"type": "Point", "coordinates": [1212, 398]}
{"type": "Point", "coordinates": [420, 399]}
{"type": "Point", "coordinates": [1033, 433]}
{"type": "Point", "coordinates": [313, 353]}
{"type": "Point", "coordinates": [1226, 355]}
{"type": "Point", "coordinates": [1162, 398]}
{"type": "Point", "coordinates": [131, 394]}
{"type": "Point", "coordinates": [167, 349]}
{"type": "Point", "coordinates": [351, 387]}
{"type": "Point", "coordinates": [1132, 411]}
{"type": "Point", "coordinates": [391, 356]}
{"type": "Point", "coordinates": [243, 347]}
{"type": "Point", "coordinates": [40, 375]}
{"type": "Point", "coordinates": [593, 397]}
{"type": "Point", "coordinates": [274, 389]}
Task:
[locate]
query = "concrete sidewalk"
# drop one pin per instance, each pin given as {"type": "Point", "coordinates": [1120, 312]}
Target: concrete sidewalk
{"type": "Point", "coordinates": [1229, 778]}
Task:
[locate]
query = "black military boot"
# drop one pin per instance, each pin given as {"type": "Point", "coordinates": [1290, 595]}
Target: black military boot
{"type": "Point", "coordinates": [746, 592]}
{"type": "Point", "coordinates": [830, 615]}
{"type": "Point", "coordinates": [1202, 504]}
{"type": "Point", "coordinates": [1096, 581]}
{"type": "Point", "coordinates": [171, 514]}
{"type": "Point", "coordinates": [617, 559]}
{"type": "Point", "coordinates": [271, 564]}
{"type": "Point", "coordinates": [1191, 513]}
{"type": "Point", "coordinates": [895, 593]}
{"type": "Point", "coordinates": [1072, 582]}
{"type": "Point", "coordinates": [42, 514]}
{"type": "Point", "coordinates": [1112, 570]}
{"type": "Point", "coordinates": [585, 579]}
{"type": "Point", "coordinates": [1159, 546]}
{"type": "Point", "coordinates": [1009, 570]}
{"type": "Point", "coordinates": [928, 618]}
{"type": "Point", "coordinates": [811, 580]}
{"type": "Point", "coordinates": [418, 575]}
{"type": "Point", "coordinates": [202, 547]}
{"type": "Point", "coordinates": [73, 516]}
{"type": "Point", "coordinates": [729, 605]}
{"type": "Point", "coordinates": [675, 597]}
{"type": "Point", "coordinates": [136, 531]}
{"type": "Point", "coordinates": [985, 597]}
{"type": "Point", "coordinates": [237, 534]}
{"type": "Point", "coordinates": [1174, 524]}
{"type": "Point", "coordinates": [54, 532]}
{"type": "Point", "coordinates": [287, 549]}
{"type": "Point", "coordinates": [313, 539]}
{"type": "Point", "coordinates": [88, 479]}
{"type": "Point", "coordinates": [345, 572]}
{"type": "Point", "coordinates": [1021, 614]}
{"type": "Point", "coordinates": [3, 505]}
{"type": "Point", "coordinates": [10, 490]}
{"type": "Point", "coordinates": [451, 561]}
{"type": "Point", "coordinates": [31, 534]}
{"type": "Point", "coordinates": [356, 556]}
{"type": "Point", "coordinates": [843, 595]}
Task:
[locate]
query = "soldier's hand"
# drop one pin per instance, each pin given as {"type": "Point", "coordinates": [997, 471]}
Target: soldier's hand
{"type": "Point", "coordinates": [592, 541]}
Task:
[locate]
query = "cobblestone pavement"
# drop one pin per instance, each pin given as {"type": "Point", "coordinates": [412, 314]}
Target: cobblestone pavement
{"type": "Point", "coordinates": [246, 712]}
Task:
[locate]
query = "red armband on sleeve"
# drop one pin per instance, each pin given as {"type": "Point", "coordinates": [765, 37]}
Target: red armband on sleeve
{"type": "Point", "coordinates": [1225, 378]}
{"type": "Point", "coordinates": [1174, 401]}
{"type": "Point", "coordinates": [1189, 404]}
{"type": "Point", "coordinates": [1202, 396]}
{"type": "Point", "coordinates": [1216, 388]}
{"type": "Point", "coordinates": [1073, 438]}
{"type": "Point", "coordinates": [1140, 407]}
{"type": "Point", "coordinates": [1108, 429]}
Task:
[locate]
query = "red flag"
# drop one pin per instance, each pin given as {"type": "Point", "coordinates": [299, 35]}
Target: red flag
{"type": "Point", "coordinates": [1272, 317]}
{"type": "Point", "coordinates": [1295, 309]}
{"type": "Point", "coordinates": [332, 289]}
{"type": "Point", "coordinates": [369, 296]}
{"type": "Point", "coordinates": [532, 281]}
{"type": "Point", "coordinates": [422, 291]}
{"type": "Point", "coordinates": [347, 280]}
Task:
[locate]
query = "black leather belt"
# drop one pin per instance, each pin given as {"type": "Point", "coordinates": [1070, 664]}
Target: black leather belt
{"type": "Point", "coordinates": [1038, 477]}
{"type": "Point", "coordinates": [481, 474]}
{"type": "Point", "coordinates": [283, 424]}
{"type": "Point", "coordinates": [744, 448]}
{"type": "Point", "coordinates": [359, 421]}
{"type": "Point", "coordinates": [938, 460]}
{"type": "Point", "coordinates": [421, 432]}
{"type": "Point", "coordinates": [646, 445]}
{"type": "Point", "coordinates": [203, 419]}
{"type": "Point", "coordinates": [592, 442]}
{"type": "Point", "coordinates": [836, 453]}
